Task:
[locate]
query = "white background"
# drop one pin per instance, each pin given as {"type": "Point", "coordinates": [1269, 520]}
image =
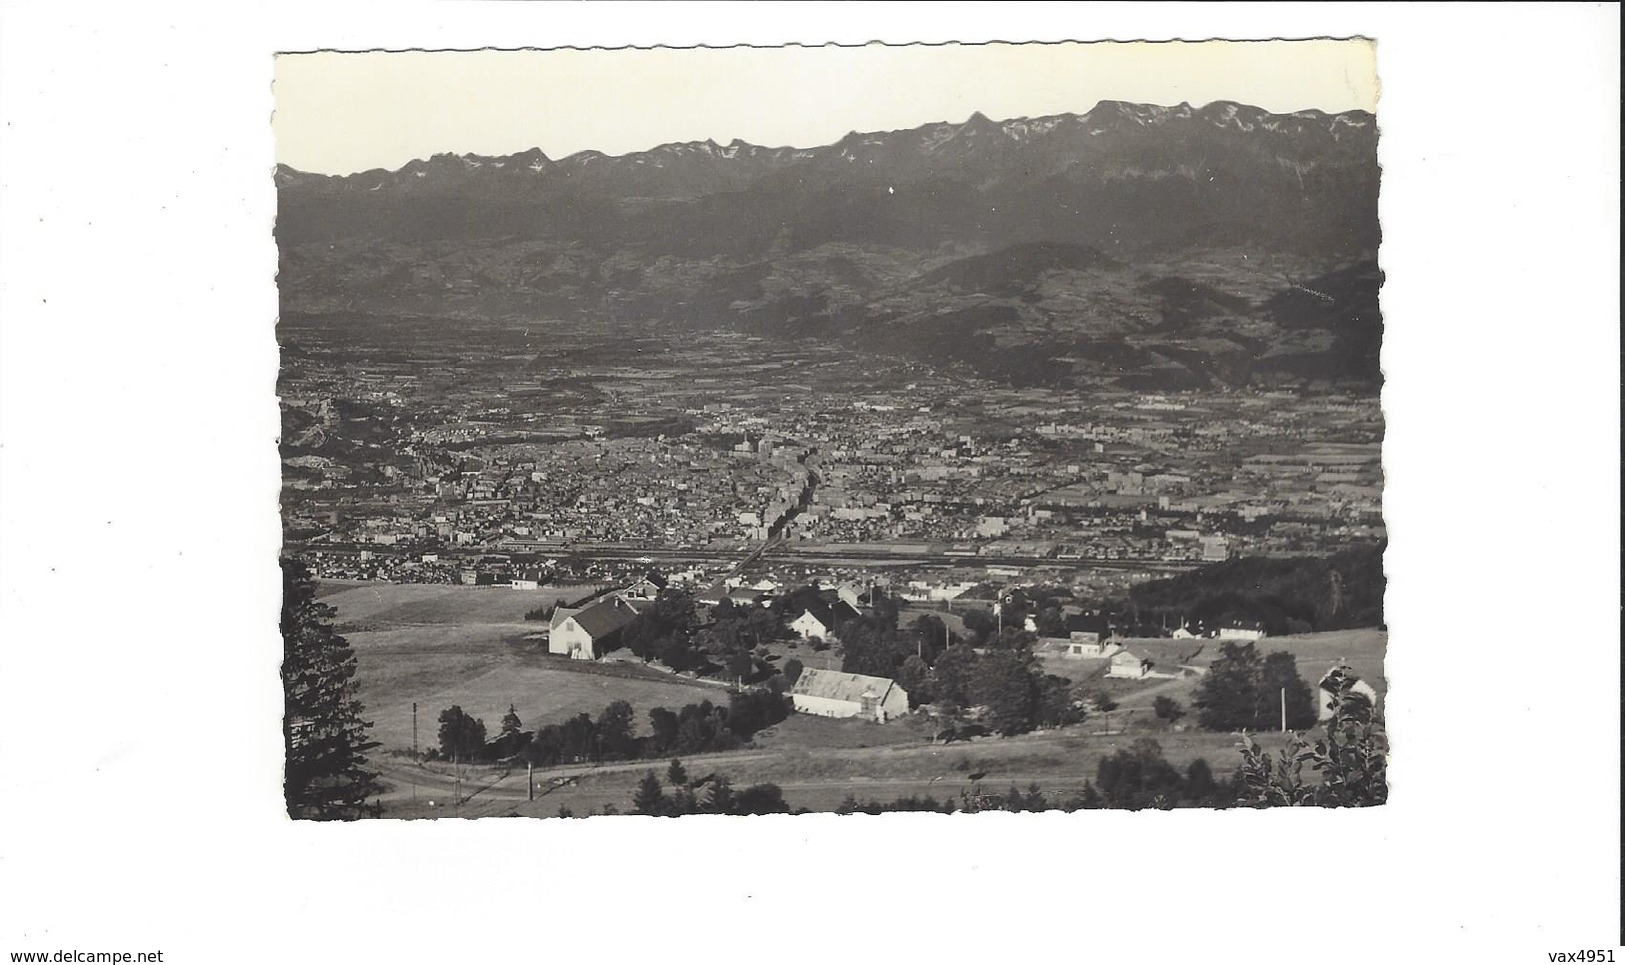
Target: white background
{"type": "Point", "coordinates": [139, 749]}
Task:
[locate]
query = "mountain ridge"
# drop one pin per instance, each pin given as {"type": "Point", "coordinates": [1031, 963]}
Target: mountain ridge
{"type": "Point", "coordinates": [1230, 113]}
{"type": "Point", "coordinates": [1136, 245]}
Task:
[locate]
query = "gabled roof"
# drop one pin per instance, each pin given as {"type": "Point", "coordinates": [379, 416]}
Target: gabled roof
{"type": "Point", "coordinates": [823, 619]}
{"type": "Point", "coordinates": [835, 685]}
{"type": "Point", "coordinates": [602, 619]}
{"type": "Point", "coordinates": [831, 614]}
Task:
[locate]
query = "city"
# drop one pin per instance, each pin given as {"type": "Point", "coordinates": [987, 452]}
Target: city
{"type": "Point", "coordinates": [482, 472]}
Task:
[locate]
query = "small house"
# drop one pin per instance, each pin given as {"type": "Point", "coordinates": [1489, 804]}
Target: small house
{"type": "Point", "coordinates": [1128, 665]}
{"type": "Point", "coordinates": [809, 625]}
{"type": "Point", "coordinates": [853, 595]}
{"type": "Point", "coordinates": [1091, 649]}
{"type": "Point", "coordinates": [647, 588]}
{"type": "Point", "coordinates": [822, 620]}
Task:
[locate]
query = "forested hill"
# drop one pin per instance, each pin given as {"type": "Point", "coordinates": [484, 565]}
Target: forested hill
{"type": "Point", "coordinates": [1339, 592]}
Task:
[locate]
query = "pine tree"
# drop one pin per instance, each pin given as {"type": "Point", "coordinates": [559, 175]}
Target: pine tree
{"type": "Point", "coordinates": [511, 723]}
{"type": "Point", "coordinates": [676, 774]}
{"type": "Point", "coordinates": [1230, 696]}
{"type": "Point", "coordinates": [650, 797]}
{"type": "Point", "coordinates": [719, 797]}
{"type": "Point", "coordinates": [326, 775]}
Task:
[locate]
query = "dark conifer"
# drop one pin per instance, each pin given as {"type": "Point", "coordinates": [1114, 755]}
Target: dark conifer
{"type": "Point", "coordinates": [326, 776]}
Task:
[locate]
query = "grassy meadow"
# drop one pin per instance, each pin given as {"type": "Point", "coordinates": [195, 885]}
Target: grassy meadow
{"type": "Point", "coordinates": [467, 645]}
{"type": "Point", "coordinates": [471, 646]}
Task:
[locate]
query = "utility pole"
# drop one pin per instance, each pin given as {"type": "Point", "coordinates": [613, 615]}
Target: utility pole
{"type": "Point", "coordinates": [414, 730]}
{"type": "Point", "coordinates": [530, 781]}
{"type": "Point", "coordinates": [1283, 710]}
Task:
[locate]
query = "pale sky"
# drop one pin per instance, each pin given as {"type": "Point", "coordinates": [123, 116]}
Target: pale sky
{"type": "Point", "coordinates": [343, 112]}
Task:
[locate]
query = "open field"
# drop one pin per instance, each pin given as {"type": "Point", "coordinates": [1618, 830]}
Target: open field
{"type": "Point", "coordinates": [1364, 650]}
{"type": "Point", "coordinates": [819, 779]}
{"type": "Point", "coordinates": [440, 645]}
{"type": "Point", "coordinates": [444, 645]}
{"type": "Point", "coordinates": [400, 604]}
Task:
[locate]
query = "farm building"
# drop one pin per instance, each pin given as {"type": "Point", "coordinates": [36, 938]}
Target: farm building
{"type": "Point", "coordinates": [1241, 630]}
{"type": "Point", "coordinates": [586, 633]}
{"type": "Point", "coordinates": [831, 693]}
{"type": "Point", "coordinates": [1086, 636]}
{"type": "Point", "coordinates": [1134, 665]}
{"type": "Point", "coordinates": [1233, 630]}
{"type": "Point", "coordinates": [1128, 665]}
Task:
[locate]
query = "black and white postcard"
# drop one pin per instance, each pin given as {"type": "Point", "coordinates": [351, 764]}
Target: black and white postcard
{"type": "Point", "coordinates": [919, 428]}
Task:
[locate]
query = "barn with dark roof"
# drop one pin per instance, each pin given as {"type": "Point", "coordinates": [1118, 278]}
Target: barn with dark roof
{"type": "Point", "coordinates": [585, 634]}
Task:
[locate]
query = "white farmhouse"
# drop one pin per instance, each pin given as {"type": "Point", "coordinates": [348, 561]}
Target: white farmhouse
{"type": "Point", "coordinates": [585, 634]}
{"type": "Point", "coordinates": [808, 625]}
{"type": "Point", "coordinates": [822, 619]}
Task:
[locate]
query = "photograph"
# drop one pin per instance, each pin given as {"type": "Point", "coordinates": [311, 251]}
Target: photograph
{"type": "Point", "coordinates": [934, 434]}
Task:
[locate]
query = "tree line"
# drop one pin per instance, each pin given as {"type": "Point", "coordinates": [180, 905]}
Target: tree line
{"type": "Point", "coordinates": [1338, 592]}
{"type": "Point", "coordinates": [712, 794]}
{"type": "Point", "coordinates": [611, 735]}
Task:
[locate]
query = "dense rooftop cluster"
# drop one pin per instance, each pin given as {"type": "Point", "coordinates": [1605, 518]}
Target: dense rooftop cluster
{"type": "Point", "coordinates": [412, 464]}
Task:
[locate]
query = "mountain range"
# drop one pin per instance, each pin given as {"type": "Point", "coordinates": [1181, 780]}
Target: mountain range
{"type": "Point", "coordinates": [1132, 244]}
